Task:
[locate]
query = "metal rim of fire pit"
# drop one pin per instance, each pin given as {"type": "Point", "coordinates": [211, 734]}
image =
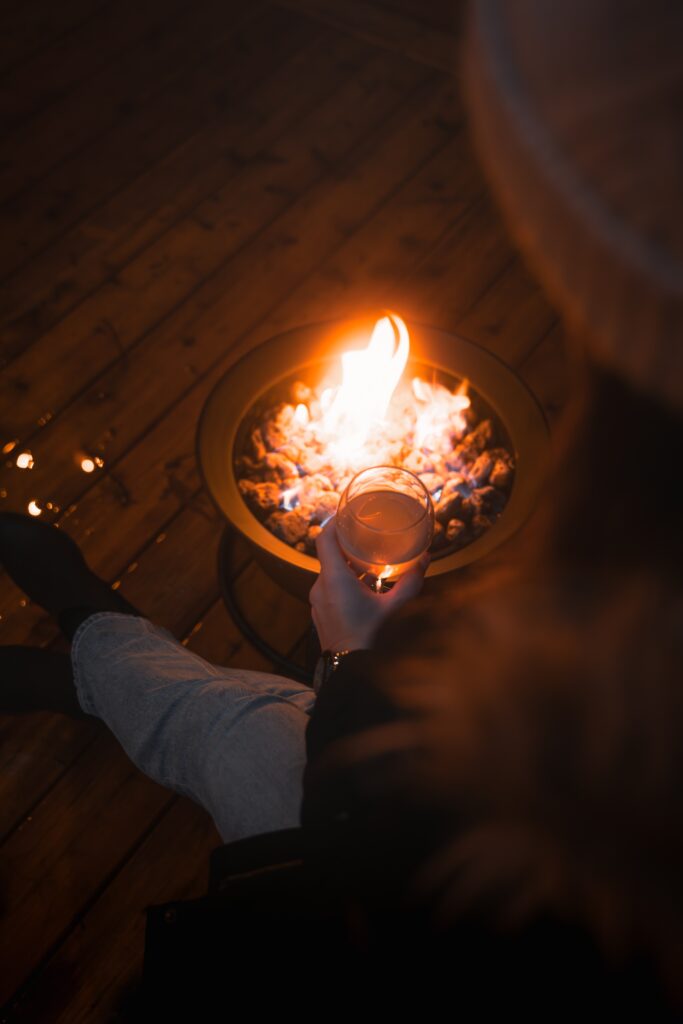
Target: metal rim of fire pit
{"type": "Point", "coordinates": [295, 354]}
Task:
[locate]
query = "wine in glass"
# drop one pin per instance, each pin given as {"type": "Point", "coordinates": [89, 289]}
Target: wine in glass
{"type": "Point", "coordinates": [385, 522]}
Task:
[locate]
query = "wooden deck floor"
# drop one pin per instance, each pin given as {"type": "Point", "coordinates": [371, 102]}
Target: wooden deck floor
{"type": "Point", "coordinates": [179, 182]}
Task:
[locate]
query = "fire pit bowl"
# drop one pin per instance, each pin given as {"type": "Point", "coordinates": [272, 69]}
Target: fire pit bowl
{"type": "Point", "coordinates": [310, 353]}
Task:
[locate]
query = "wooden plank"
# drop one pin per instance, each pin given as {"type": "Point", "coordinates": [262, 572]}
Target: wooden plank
{"type": "Point", "coordinates": [28, 28]}
{"type": "Point", "coordinates": [163, 433]}
{"type": "Point", "coordinates": [185, 562]}
{"type": "Point", "coordinates": [491, 311]}
{"type": "Point", "coordinates": [190, 586]}
{"type": "Point", "coordinates": [79, 979]}
{"type": "Point", "coordinates": [438, 14]}
{"type": "Point", "coordinates": [458, 271]}
{"type": "Point", "coordinates": [299, 653]}
{"type": "Point", "coordinates": [511, 316]}
{"type": "Point", "coordinates": [75, 264]}
{"type": "Point", "coordinates": [153, 478]}
{"type": "Point", "coordinates": [545, 371]}
{"type": "Point", "coordinates": [377, 266]}
{"type": "Point", "coordinates": [75, 838]}
{"type": "Point", "coordinates": [40, 748]}
{"type": "Point", "coordinates": [77, 57]}
{"type": "Point", "coordinates": [160, 277]}
{"type": "Point", "coordinates": [36, 749]}
{"type": "Point", "coordinates": [101, 781]}
{"type": "Point", "coordinates": [394, 30]}
{"type": "Point", "coordinates": [284, 618]}
{"type": "Point", "coordinates": [121, 404]}
{"type": "Point", "coordinates": [147, 484]}
{"type": "Point", "coordinates": [548, 373]}
{"type": "Point", "coordinates": [86, 178]}
{"type": "Point", "coordinates": [41, 845]}
{"type": "Point", "coordinates": [136, 81]}
{"type": "Point", "coordinates": [114, 785]}
{"type": "Point", "coordinates": [219, 641]}
{"type": "Point", "coordinates": [51, 371]}
{"type": "Point", "coordinates": [103, 953]}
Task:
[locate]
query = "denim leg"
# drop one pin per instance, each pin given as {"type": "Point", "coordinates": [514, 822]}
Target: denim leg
{"type": "Point", "coordinates": [230, 739]}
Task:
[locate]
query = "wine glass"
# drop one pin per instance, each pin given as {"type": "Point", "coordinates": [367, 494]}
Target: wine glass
{"type": "Point", "coordinates": [385, 523]}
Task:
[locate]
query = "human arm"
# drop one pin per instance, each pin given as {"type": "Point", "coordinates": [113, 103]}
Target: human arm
{"type": "Point", "coordinates": [348, 615]}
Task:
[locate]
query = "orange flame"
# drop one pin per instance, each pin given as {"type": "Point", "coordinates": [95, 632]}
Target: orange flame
{"type": "Point", "coordinates": [440, 410]}
{"type": "Point", "coordinates": [369, 379]}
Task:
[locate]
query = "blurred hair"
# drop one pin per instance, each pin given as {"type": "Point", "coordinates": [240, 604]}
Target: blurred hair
{"type": "Point", "coordinates": [547, 704]}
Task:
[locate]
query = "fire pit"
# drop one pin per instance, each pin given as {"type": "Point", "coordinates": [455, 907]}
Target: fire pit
{"type": "Point", "coordinates": [291, 422]}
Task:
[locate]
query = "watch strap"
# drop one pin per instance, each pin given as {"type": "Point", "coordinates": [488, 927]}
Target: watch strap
{"type": "Point", "coordinates": [327, 663]}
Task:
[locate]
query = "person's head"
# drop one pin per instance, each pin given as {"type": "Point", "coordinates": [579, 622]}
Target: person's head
{"type": "Point", "coordinates": [575, 115]}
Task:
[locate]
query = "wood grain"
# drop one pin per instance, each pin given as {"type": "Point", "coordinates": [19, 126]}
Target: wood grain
{"type": "Point", "coordinates": [186, 193]}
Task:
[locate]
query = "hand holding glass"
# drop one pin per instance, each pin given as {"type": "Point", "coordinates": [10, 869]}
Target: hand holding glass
{"type": "Point", "coordinates": [385, 522]}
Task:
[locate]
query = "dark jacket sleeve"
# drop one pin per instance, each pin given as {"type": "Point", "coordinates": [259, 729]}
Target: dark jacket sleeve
{"type": "Point", "coordinates": [358, 812]}
{"type": "Point", "coordinates": [350, 702]}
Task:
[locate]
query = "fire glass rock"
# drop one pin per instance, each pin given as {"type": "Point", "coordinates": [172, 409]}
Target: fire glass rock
{"type": "Point", "coordinates": [247, 468]}
{"type": "Point", "coordinates": [480, 523]}
{"type": "Point", "coordinates": [454, 530]}
{"type": "Point", "coordinates": [474, 443]}
{"type": "Point", "coordinates": [291, 483]}
{"type": "Point", "coordinates": [276, 426]}
{"type": "Point", "coordinates": [503, 468]}
{"type": "Point", "coordinates": [470, 507]}
{"type": "Point", "coordinates": [277, 467]}
{"type": "Point", "coordinates": [439, 538]}
{"type": "Point", "coordinates": [325, 506]}
{"type": "Point", "coordinates": [258, 448]}
{"type": "Point", "coordinates": [480, 470]}
{"type": "Point", "coordinates": [288, 526]}
{"type": "Point", "coordinates": [501, 474]}
{"type": "Point", "coordinates": [491, 500]}
{"type": "Point", "coordinates": [455, 483]}
{"type": "Point", "coordinates": [449, 507]}
{"type": "Point", "coordinates": [262, 498]}
{"type": "Point", "coordinates": [432, 481]}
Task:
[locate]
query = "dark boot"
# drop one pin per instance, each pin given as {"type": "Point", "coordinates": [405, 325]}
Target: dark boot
{"type": "Point", "coordinates": [33, 679]}
{"type": "Point", "coordinates": [50, 568]}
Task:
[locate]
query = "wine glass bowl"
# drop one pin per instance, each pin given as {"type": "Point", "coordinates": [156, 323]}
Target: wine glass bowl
{"type": "Point", "coordinates": [385, 522]}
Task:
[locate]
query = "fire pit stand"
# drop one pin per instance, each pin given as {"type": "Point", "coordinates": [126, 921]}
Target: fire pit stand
{"type": "Point", "coordinates": [308, 353]}
{"type": "Point", "coordinates": [227, 564]}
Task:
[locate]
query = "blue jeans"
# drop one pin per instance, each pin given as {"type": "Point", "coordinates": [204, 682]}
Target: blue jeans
{"type": "Point", "coordinates": [232, 740]}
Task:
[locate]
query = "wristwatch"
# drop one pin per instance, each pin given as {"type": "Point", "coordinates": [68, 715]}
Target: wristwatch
{"type": "Point", "coordinates": [327, 663]}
